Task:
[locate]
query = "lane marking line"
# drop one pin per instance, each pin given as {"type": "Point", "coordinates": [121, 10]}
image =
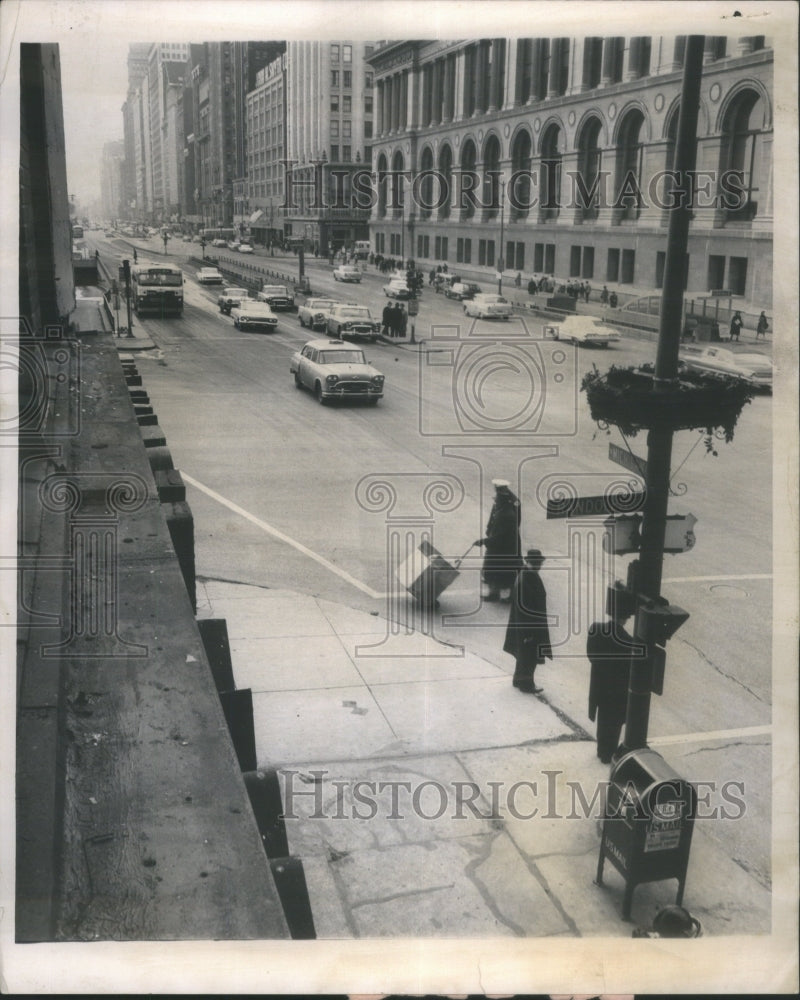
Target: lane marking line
{"type": "Point", "coordinates": [719, 734]}
{"type": "Point", "coordinates": [709, 579]}
{"type": "Point", "coordinates": [269, 530]}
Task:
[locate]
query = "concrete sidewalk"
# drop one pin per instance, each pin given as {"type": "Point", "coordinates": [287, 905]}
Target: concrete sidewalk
{"type": "Point", "coordinates": [410, 774]}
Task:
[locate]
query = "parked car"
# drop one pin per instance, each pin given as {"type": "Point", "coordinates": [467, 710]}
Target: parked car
{"type": "Point", "coordinates": [314, 313]}
{"type": "Point", "coordinates": [209, 276]}
{"type": "Point", "coordinates": [755, 369]}
{"type": "Point", "coordinates": [332, 369]}
{"type": "Point", "coordinates": [583, 330]}
{"type": "Point", "coordinates": [463, 290]}
{"type": "Point", "coordinates": [346, 272]}
{"type": "Point", "coordinates": [278, 296]}
{"type": "Point", "coordinates": [230, 297]}
{"type": "Point", "coordinates": [245, 248]}
{"type": "Point", "coordinates": [443, 281]}
{"type": "Point", "coordinates": [486, 306]}
{"type": "Point", "coordinates": [397, 289]}
{"type": "Point", "coordinates": [232, 244]}
{"type": "Point", "coordinates": [347, 320]}
{"type": "Point", "coordinates": [253, 315]}
{"type": "Point", "coordinates": [219, 243]}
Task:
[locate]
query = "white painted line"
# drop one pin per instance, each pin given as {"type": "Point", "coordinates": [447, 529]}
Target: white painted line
{"type": "Point", "coordinates": [719, 734]}
{"type": "Point", "coordinates": [709, 579]}
{"type": "Point", "coordinates": [268, 529]}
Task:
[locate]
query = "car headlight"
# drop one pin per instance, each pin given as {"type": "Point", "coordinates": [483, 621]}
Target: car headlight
{"type": "Point", "coordinates": [331, 379]}
{"type": "Point", "coordinates": [378, 379]}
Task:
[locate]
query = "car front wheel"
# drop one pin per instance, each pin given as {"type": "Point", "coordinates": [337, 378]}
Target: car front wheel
{"type": "Point", "coordinates": [297, 380]}
{"type": "Point", "coordinates": [301, 320]}
{"type": "Point", "coordinates": [318, 394]}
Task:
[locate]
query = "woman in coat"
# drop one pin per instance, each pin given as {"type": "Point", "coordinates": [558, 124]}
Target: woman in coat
{"type": "Point", "coordinates": [528, 632]}
{"type": "Point", "coordinates": [502, 542]}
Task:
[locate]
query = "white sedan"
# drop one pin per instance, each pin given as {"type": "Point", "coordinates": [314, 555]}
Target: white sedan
{"type": "Point", "coordinates": [755, 369]}
{"type": "Point", "coordinates": [346, 272]}
{"type": "Point", "coordinates": [583, 330]}
{"type": "Point", "coordinates": [332, 369]}
{"type": "Point", "coordinates": [487, 306]}
{"type": "Point", "coordinates": [209, 276]}
{"type": "Point", "coordinates": [245, 248]}
{"type": "Point", "coordinates": [251, 314]}
{"type": "Point", "coordinates": [315, 312]}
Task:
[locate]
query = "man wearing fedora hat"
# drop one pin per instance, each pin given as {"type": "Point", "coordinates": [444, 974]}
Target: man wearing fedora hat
{"type": "Point", "coordinates": [528, 632]}
{"type": "Point", "coordinates": [609, 649]}
{"type": "Point", "coordinates": [502, 543]}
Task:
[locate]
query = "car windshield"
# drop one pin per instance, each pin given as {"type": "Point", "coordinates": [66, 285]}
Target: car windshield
{"type": "Point", "coordinates": [253, 305]}
{"type": "Point", "coordinates": [354, 312]}
{"type": "Point", "coordinates": [320, 303]}
{"type": "Point", "coordinates": [162, 277]}
{"type": "Point", "coordinates": [275, 290]}
{"type": "Point", "coordinates": [353, 357]}
{"type": "Point", "coordinates": [235, 291]}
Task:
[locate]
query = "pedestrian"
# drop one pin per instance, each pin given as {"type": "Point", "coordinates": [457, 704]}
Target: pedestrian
{"type": "Point", "coordinates": [402, 321]}
{"type": "Point", "coordinates": [386, 319]}
{"type": "Point", "coordinates": [612, 300]}
{"type": "Point", "coordinates": [528, 632]}
{"type": "Point", "coordinates": [432, 276]}
{"type": "Point", "coordinates": [518, 279]}
{"type": "Point", "coordinates": [736, 326]}
{"type": "Point", "coordinates": [609, 649]}
{"type": "Point", "coordinates": [604, 295]}
{"type": "Point", "coordinates": [135, 256]}
{"type": "Point", "coordinates": [502, 542]}
{"type": "Point", "coordinates": [763, 326]}
{"type": "Point", "coordinates": [587, 291]}
{"type": "Point", "coordinates": [394, 321]}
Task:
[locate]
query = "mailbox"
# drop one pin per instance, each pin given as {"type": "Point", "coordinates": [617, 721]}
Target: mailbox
{"type": "Point", "coordinates": [648, 821]}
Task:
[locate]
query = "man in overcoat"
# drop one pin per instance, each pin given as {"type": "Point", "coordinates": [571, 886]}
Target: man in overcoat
{"type": "Point", "coordinates": [609, 649]}
{"type": "Point", "coordinates": [528, 632]}
{"type": "Point", "coordinates": [502, 543]}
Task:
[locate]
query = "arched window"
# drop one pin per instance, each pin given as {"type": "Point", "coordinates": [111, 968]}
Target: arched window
{"type": "Point", "coordinates": [398, 185]}
{"type": "Point", "coordinates": [491, 179]}
{"type": "Point", "coordinates": [446, 174]}
{"type": "Point", "coordinates": [550, 175]}
{"type": "Point", "coordinates": [630, 152]}
{"type": "Point", "coordinates": [588, 182]}
{"type": "Point", "coordinates": [469, 179]}
{"type": "Point", "coordinates": [741, 154]}
{"type": "Point", "coordinates": [429, 192]}
{"type": "Point", "coordinates": [519, 193]}
{"type": "Point", "coordinates": [382, 185]}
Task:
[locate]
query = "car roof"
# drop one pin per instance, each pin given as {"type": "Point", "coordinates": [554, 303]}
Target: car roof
{"type": "Point", "coordinates": [336, 344]}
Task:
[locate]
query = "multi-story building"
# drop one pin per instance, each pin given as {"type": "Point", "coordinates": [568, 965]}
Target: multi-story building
{"type": "Point", "coordinates": [266, 152]}
{"type": "Point", "coordinates": [329, 135]}
{"type": "Point", "coordinates": [165, 63]}
{"type": "Point", "coordinates": [111, 180]}
{"type": "Point", "coordinates": [134, 171]}
{"type": "Point", "coordinates": [563, 146]}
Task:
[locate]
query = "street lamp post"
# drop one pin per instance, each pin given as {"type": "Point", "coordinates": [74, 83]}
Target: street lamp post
{"type": "Point", "coordinates": [500, 261]}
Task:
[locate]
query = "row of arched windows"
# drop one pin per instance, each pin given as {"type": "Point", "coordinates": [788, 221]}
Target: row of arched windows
{"type": "Point", "coordinates": [476, 186]}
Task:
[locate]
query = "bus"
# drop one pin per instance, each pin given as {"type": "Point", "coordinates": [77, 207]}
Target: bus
{"type": "Point", "coordinates": [209, 235]}
{"type": "Point", "coordinates": [77, 232]}
{"type": "Point", "coordinates": [158, 289]}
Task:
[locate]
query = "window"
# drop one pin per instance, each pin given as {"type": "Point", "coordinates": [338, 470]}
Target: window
{"type": "Point", "coordinates": [347, 153]}
{"type": "Point", "coordinates": [347, 78]}
{"type": "Point", "coordinates": [612, 267]}
{"type": "Point", "coordinates": [423, 246]}
{"type": "Point", "coordinates": [440, 248]}
{"type": "Point", "coordinates": [574, 262]}
{"type": "Point", "coordinates": [347, 103]}
{"type": "Point", "coordinates": [347, 129]}
{"type": "Point", "coordinates": [737, 275]}
{"type": "Point", "coordinates": [486, 252]}
{"type": "Point", "coordinates": [367, 130]}
{"type": "Point", "coordinates": [334, 130]}
{"type": "Point", "coordinates": [368, 104]}
{"type": "Point", "coordinates": [587, 267]}
{"type": "Point", "coordinates": [334, 154]}
{"type": "Point", "coordinates": [334, 77]}
{"type": "Point", "coordinates": [716, 272]}
{"type": "Point", "coordinates": [628, 262]}
{"type": "Point", "coordinates": [334, 53]}
{"type": "Point", "coordinates": [334, 102]}
{"type": "Point", "coordinates": [347, 53]}
{"type": "Point", "coordinates": [742, 155]}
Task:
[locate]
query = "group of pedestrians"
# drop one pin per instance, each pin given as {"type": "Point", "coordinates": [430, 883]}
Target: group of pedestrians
{"type": "Point", "coordinates": [394, 320]}
{"type": "Point", "coordinates": [737, 325]}
{"type": "Point", "coordinates": [508, 576]}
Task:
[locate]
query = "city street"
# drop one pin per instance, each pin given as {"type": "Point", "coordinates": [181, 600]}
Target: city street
{"type": "Point", "coordinates": [273, 481]}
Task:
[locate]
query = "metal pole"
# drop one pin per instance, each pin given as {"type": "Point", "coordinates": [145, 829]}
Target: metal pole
{"type": "Point", "coordinates": [659, 440]}
{"type": "Point", "coordinates": [502, 221]}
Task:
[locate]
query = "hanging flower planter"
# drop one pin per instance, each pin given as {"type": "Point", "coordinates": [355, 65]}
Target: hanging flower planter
{"type": "Point", "coordinates": [625, 397]}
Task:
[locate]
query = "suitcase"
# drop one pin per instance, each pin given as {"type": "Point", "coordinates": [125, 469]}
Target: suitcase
{"type": "Point", "coordinates": [426, 573]}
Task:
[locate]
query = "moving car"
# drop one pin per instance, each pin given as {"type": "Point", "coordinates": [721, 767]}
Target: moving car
{"type": "Point", "coordinates": [755, 369]}
{"type": "Point", "coordinates": [278, 296]}
{"type": "Point", "coordinates": [332, 369]}
{"type": "Point", "coordinates": [230, 297]}
{"type": "Point", "coordinates": [209, 276]}
{"type": "Point", "coordinates": [486, 306]}
{"type": "Point", "coordinates": [245, 248]}
{"type": "Point", "coordinates": [232, 244]}
{"type": "Point", "coordinates": [397, 289]}
{"type": "Point", "coordinates": [253, 315]}
{"type": "Point", "coordinates": [462, 290]}
{"type": "Point", "coordinates": [314, 313]}
{"type": "Point", "coordinates": [443, 281]}
{"type": "Point", "coordinates": [347, 320]}
{"type": "Point", "coordinates": [583, 330]}
{"type": "Point", "coordinates": [346, 272]}
{"type": "Point", "coordinates": [219, 243]}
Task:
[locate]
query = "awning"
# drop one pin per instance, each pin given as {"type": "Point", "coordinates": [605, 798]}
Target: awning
{"type": "Point", "coordinates": [256, 216]}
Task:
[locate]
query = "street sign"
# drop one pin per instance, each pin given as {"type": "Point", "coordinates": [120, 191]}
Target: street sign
{"type": "Point", "coordinates": [625, 458]}
{"type": "Point", "coordinates": [679, 534]}
{"type": "Point", "coordinates": [413, 307]}
{"type": "Point", "coordinates": [617, 503]}
{"type": "Point", "coordinates": [622, 534]}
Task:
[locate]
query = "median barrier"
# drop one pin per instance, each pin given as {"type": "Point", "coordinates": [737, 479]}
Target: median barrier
{"type": "Point", "coordinates": [214, 633]}
{"type": "Point", "coordinates": [180, 523]}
